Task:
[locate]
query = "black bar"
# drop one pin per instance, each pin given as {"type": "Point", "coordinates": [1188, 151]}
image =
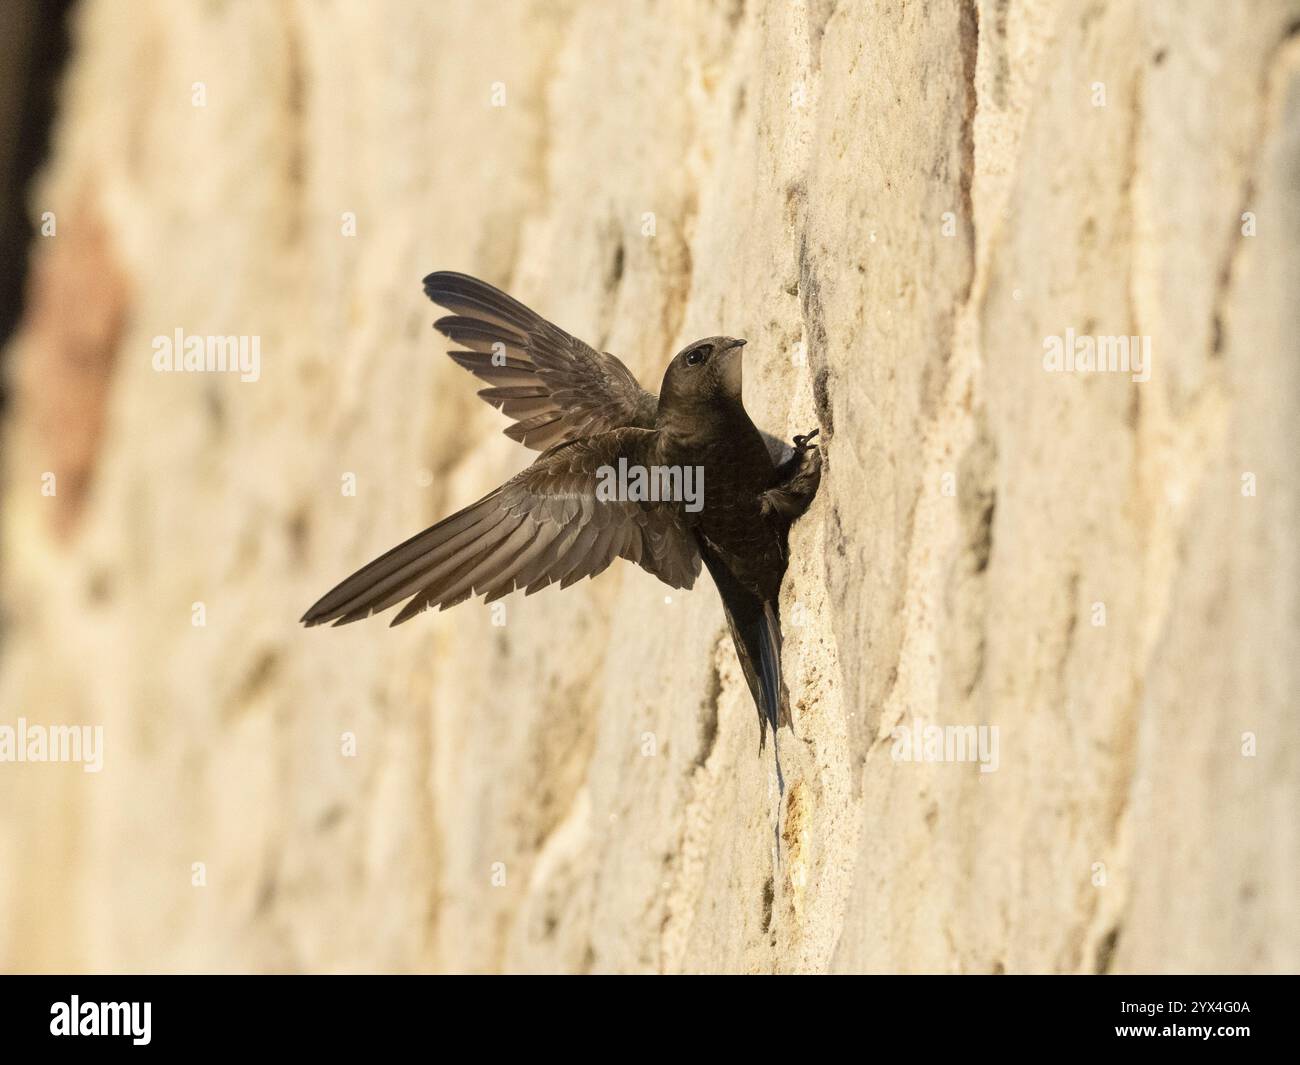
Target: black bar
{"type": "Point", "coordinates": [333, 1014]}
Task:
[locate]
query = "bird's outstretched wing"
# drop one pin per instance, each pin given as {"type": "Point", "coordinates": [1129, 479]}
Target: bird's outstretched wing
{"type": "Point", "coordinates": [546, 524]}
{"type": "Point", "coordinates": [555, 387]}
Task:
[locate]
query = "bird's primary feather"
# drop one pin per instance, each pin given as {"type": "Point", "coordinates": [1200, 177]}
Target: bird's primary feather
{"type": "Point", "coordinates": [575, 390]}
{"type": "Point", "coordinates": [530, 532]}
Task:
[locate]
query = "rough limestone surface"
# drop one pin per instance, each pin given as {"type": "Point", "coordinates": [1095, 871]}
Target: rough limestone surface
{"type": "Point", "coordinates": [897, 203]}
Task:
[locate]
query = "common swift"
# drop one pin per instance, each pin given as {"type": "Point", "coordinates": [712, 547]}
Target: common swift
{"type": "Point", "coordinates": [587, 415]}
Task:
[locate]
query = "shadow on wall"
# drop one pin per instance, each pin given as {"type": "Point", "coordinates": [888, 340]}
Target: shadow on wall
{"type": "Point", "coordinates": [33, 50]}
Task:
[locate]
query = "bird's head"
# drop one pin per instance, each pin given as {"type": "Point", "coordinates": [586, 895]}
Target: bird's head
{"type": "Point", "coordinates": [702, 375]}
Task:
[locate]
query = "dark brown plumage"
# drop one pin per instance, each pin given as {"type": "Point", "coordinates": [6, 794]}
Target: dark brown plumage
{"type": "Point", "coordinates": [585, 411]}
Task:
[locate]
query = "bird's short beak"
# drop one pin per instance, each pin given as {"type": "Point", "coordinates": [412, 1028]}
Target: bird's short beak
{"type": "Point", "coordinates": [732, 373]}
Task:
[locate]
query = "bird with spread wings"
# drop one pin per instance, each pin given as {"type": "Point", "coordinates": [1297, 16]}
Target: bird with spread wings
{"type": "Point", "coordinates": [585, 412]}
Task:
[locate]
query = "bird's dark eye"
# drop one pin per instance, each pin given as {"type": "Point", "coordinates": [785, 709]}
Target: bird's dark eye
{"type": "Point", "coordinates": [697, 356]}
